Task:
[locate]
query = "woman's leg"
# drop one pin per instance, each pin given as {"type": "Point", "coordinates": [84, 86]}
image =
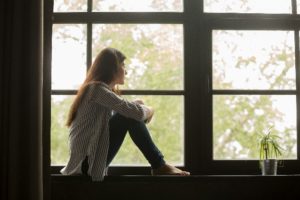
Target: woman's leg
{"type": "Point", "coordinates": [117, 133]}
{"type": "Point", "coordinates": [119, 125]}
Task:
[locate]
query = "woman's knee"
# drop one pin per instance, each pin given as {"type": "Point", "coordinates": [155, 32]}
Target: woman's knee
{"type": "Point", "coordinates": [122, 118]}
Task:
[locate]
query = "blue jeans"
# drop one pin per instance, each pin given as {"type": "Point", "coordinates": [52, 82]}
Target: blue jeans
{"type": "Point", "coordinates": [119, 126]}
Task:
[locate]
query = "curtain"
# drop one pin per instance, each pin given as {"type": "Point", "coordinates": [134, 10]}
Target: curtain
{"type": "Point", "coordinates": [21, 62]}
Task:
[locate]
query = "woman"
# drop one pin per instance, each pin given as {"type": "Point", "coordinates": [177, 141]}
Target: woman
{"type": "Point", "coordinates": [99, 120]}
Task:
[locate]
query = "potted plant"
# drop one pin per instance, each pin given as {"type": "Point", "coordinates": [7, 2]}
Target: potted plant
{"type": "Point", "coordinates": [269, 151]}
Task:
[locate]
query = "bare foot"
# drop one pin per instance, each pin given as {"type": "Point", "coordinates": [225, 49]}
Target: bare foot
{"type": "Point", "coordinates": [169, 170]}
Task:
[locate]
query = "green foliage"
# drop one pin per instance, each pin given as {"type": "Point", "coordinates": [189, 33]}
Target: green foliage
{"type": "Point", "coordinates": [269, 146]}
{"type": "Point", "coordinates": [149, 56]}
{"type": "Point", "coordinates": [166, 129]}
{"type": "Point", "coordinates": [59, 132]}
{"type": "Point", "coordinates": [238, 118]}
{"type": "Point", "coordinates": [235, 122]}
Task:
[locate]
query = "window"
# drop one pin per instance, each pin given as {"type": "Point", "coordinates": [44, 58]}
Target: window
{"type": "Point", "coordinates": [154, 63]}
{"type": "Point", "coordinates": [253, 61]}
{"type": "Point", "coordinates": [217, 72]}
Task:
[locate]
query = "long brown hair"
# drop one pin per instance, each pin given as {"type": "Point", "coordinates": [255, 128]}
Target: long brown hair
{"type": "Point", "coordinates": [103, 70]}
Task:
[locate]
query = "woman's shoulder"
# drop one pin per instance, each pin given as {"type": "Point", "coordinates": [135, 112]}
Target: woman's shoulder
{"type": "Point", "coordinates": [98, 86]}
{"type": "Point", "coordinates": [99, 89]}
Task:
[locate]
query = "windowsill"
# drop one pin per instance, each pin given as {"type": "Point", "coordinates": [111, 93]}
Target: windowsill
{"type": "Point", "coordinates": [149, 178]}
{"type": "Point", "coordinates": [176, 187]}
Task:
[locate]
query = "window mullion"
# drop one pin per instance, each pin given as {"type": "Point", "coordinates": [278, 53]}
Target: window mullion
{"type": "Point", "coordinates": [294, 7]}
{"type": "Point", "coordinates": [90, 5]}
{"type": "Point", "coordinates": [297, 65]}
{"type": "Point", "coordinates": [194, 72]}
{"type": "Point", "coordinates": [89, 45]}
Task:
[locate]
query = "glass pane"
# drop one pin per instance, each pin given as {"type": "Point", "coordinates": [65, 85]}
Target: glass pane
{"type": "Point", "coordinates": [68, 56]}
{"type": "Point", "coordinates": [166, 129]}
{"type": "Point", "coordinates": [253, 60]}
{"type": "Point", "coordinates": [154, 53]}
{"type": "Point", "coordinates": [60, 105]}
{"type": "Point", "coordinates": [70, 6]}
{"type": "Point", "coordinates": [248, 6]}
{"type": "Point", "coordinates": [138, 5]}
{"type": "Point", "coordinates": [238, 120]}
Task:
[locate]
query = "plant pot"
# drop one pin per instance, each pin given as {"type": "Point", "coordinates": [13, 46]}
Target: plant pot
{"type": "Point", "coordinates": [268, 167]}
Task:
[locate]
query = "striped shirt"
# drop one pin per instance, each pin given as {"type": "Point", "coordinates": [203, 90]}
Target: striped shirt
{"type": "Point", "coordinates": [89, 131]}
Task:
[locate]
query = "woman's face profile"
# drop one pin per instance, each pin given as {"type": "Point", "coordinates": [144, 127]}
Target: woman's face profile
{"type": "Point", "coordinates": [120, 75]}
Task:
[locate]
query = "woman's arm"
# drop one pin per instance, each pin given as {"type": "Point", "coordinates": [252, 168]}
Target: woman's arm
{"type": "Point", "coordinates": [150, 112]}
{"type": "Point", "coordinates": [99, 94]}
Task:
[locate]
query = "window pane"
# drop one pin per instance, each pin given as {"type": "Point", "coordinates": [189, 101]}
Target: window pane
{"type": "Point", "coordinates": [154, 53]}
{"type": "Point", "coordinates": [60, 105]}
{"type": "Point", "coordinates": [70, 6]}
{"type": "Point", "coordinates": [248, 6]}
{"type": "Point", "coordinates": [237, 121]}
{"type": "Point", "coordinates": [68, 56]}
{"type": "Point", "coordinates": [166, 129]}
{"type": "Point", "coordinates": [138, 5]}
{"type": "Point", "coordinates": [253, 60]}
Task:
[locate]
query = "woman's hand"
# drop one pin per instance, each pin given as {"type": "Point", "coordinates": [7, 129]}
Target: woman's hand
{"type": "Point", "coordinates": [150, 110]}
{"type": "Point", "coordinates": [150, 115]}
{"type": "Point", "coordinates": [139, 101]}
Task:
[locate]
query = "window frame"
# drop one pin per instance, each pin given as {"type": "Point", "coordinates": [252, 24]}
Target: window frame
{"type": "Point", "coordinates": [238, 21]}
{"type": "Point", "coordinates": [197, 91]}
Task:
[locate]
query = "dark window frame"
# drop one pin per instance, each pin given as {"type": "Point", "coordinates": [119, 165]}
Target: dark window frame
{"type": "Point", "coordinates": [197, 92]}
